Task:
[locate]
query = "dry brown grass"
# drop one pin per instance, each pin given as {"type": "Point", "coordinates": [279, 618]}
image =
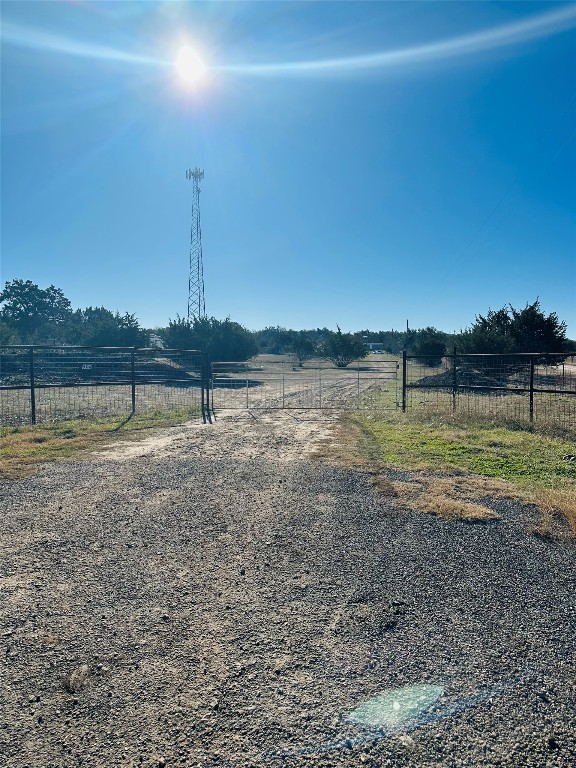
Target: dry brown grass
{"type": "Point", "coordinates": [451, 496]}
{"type": "Point", "coordinates": [555, 502]}
{"type": "Point", "coordinates": [22, 449]}
{"type": "Point", "coordinates": [448, 497]}
{"type": "Point", "coordinates": [447, 493]}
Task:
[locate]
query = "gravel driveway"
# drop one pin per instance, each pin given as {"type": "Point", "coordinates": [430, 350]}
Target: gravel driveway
{"type": "Point", "coordinates": [214, 596]}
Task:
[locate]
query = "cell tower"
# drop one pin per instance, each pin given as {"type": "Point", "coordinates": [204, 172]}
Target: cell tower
{"type": "Point", "coordinates": [196, 306]}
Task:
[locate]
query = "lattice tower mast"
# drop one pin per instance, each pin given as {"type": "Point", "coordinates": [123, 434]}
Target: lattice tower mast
{"type": "Point", "coordinates": [196, 305]}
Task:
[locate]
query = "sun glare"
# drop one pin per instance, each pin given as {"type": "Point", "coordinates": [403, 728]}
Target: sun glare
{"type": "Point", "coordinates": [189, 65]}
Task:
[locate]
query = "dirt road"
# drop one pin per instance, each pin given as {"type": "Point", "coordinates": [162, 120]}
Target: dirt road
{"type": "Point", "coordinates": [214, 596]}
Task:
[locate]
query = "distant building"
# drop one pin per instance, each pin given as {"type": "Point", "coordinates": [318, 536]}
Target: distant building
{"type": "Point", "coordinates": [374, 346]}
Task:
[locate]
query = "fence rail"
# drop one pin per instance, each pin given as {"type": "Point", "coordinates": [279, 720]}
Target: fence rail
{"type": "Point", "coordinates": [316, 385]}
{"type": "Point", "coordinates": [50, 383]}
{"type": "Point", "coordinates": [532, 386]}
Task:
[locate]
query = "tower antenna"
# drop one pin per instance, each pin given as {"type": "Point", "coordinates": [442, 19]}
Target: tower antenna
{"type": "Point", "coordinates": [196, 305]}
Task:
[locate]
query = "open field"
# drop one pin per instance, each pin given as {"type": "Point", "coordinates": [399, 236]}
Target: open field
{"type": "Point", "coordinates": [215, 595]}
{"type": "Point", "coordinates": [274, 381]}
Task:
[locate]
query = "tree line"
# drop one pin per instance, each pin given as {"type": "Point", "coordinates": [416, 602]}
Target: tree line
{"type": "Point", "coordinates": [33, 315]}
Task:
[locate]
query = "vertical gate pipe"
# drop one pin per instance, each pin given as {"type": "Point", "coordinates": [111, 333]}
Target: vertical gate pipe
{"type": "Point", "coordinates": [203, 387]}
{"type": "Point", "coordinates": [454, 380]}
{"type": "Point", "coordinates": [32, 390]}
{"type": "Point", "coordinates": [403, 381]}
{"type": "Point", "coordinates": [531, 389]}
{"type": "Point", "coordinates": [133, 379]}
{"type": "Point", "coordinates": [212, 389]}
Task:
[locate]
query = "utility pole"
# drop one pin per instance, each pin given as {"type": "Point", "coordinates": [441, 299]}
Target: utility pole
{"type": "Point", "coordinates": [196, 305]}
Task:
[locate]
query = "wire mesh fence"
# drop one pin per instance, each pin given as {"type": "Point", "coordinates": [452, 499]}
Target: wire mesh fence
{"type": "Point", "coordinates": [50, 383]}
{"type": "Point", "coordinates": [317, 384]}
{"type": "Point", "coordinates": [538, 388]}
{"type": "Point", "coordinates": [47, 384]}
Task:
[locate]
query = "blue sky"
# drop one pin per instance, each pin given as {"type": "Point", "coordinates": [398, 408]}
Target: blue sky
{"type": "Point", "coordinates": [365, 163]}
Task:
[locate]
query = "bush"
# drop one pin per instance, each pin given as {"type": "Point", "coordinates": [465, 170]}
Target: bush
{"type": "Point", "coordinates": [430, 345]}
{"type": "Point", "coordinates": [302, 348]}
{"type": "Point", "coordinates": [509, 330]}
{"type": "Point", "coordinates": [222, 340]}
{"type": "Point", "coordinates": [342, 348]}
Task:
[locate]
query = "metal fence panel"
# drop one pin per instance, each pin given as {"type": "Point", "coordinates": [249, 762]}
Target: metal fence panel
{"type": "Point", "coordinates": [521, 387]}
{"type": "Point", "coordinates": [315, 385]}
{"type": "Point", "coordinates": [53, 383]}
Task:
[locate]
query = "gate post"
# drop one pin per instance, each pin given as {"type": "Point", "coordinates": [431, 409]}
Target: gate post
{"type": "Point", "coordinates": [531, 389]}
{"type": "Point", "coordinates": [212, 387]}
{"type": "Point", "coordinates": [454, 380]}
{"type": "Point", "coordinates": [403, 381]}
{"type": "Point", "coordinates": [133, 380]}
{"type": "Point", "coordinates": [32, 390]}
{"type": "Point", "coordinates": [203, 386]}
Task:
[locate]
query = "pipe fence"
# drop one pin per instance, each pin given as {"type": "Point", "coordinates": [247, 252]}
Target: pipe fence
{"type": "Point", "coordinates": [316, 385]}
{"type": "Point", "coordinates": [53, 383]}
{"type": "Point", "coordinates": [536, 387]}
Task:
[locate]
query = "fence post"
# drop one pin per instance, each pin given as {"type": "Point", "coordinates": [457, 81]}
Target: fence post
{"type": "Point", "coordinates": [32, 390]}
{"type": "Point", "coordinates": [204, 391]}
{"type": "Point", "coordinates": [454, 380]}
{"type": "Point", "coordinates": [133, 379]}
{"type": "Point", "coordinates": [403, 381]}
{"type": "Point", "coordinates": [531, 389]}
{"type": "Point", "coordinates": [211, 394]}
{"type": "Point", "coordinates": [283, 389]}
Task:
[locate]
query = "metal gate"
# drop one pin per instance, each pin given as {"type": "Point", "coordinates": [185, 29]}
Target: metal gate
{"type": "Point", "coordinates": [280, 384]}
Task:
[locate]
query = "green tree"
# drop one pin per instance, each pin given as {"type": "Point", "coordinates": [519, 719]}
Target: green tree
{"type": "Point", "coordinates": [178, 334]}
{"type": "Point", "coordinates": [7, 334]}
{"type": "Point", "coordinates": [342, 348]}
{"type": "Point", "coordinates": [34, 314]}
{"type": "Point", "coordinates": [222, 340]}
{"type": "Point", "coordinates": [533, 331]}
{"type": "Point", "coordinates": [99, 327]}
{"type": "Point", "coordinates": [510, 330]}
{"type": "Point", "coordinates": [302, 348]}
{"type": "Point", "coordinates": [431, 345]}
{"type": "Point", "coordinates": [274, 340]}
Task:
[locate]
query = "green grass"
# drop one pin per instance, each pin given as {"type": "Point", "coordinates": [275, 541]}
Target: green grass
{"type": "Point", "coordinates": [22, 448]}
{"type": "Point", "coordinates": [534, 464]}
{"type": "Point", "coordinates": [489, 451]}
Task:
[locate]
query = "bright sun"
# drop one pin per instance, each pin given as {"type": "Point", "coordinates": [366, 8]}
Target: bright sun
{"type": "Point", "coordinates": [189, 65]}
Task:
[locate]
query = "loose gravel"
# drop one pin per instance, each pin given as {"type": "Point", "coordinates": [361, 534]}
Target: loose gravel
{"type": "Point", "coordinates": [214, 596]}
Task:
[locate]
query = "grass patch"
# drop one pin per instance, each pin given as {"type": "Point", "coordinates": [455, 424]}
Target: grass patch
{"type": "Point", "coordinates": [23, 448]}
{"type": "Point", "coordinates": [454, 463]}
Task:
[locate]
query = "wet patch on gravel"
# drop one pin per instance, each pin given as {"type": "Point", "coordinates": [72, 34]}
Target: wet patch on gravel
{"type": "Point", "coordinates": [223, 600]}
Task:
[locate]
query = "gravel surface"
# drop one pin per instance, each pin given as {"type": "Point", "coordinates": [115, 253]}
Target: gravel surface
{"type": "Point", "coordinates": [214, 596]}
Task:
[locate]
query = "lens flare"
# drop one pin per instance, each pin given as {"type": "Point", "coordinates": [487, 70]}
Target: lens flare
{"type": "Point", "coordinates": [505, 36]}
{"type": "Point", "coordinates": [189, 65]}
